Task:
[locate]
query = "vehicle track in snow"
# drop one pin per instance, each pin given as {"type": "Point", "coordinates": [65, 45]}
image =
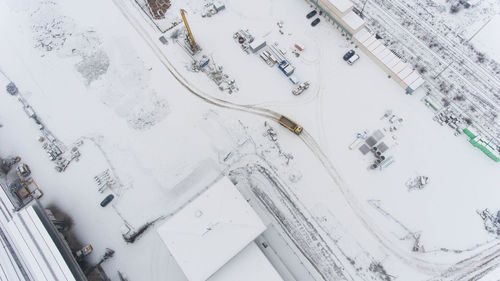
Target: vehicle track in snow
{"type": "Point", "coordinates": [473, 268]}
{"type": "Point", "coordinates": [417, 263]}
{"type": "Point", "coordinates": [427, 267]}
{"type": "Point", "coordinates": [264, 112]}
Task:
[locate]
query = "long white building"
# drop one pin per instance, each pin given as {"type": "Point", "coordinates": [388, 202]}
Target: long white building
{"type": "Point", "coordinates": [31, 247]}
{"type": "Point", "coordinates": [341, 12]}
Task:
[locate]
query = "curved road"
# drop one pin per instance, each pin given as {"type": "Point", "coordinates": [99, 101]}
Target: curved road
{"type": "Point", "coordinates": [422, 265]}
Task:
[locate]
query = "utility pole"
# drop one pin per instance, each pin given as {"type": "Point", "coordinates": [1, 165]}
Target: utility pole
{"type": "Point", "coordinates": [362, 9]}
{"type": "Point", "coordinates": [442, 70]}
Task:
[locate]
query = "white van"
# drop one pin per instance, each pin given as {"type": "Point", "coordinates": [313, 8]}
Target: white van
{"type": "Point", "coordinates": [353, 59]}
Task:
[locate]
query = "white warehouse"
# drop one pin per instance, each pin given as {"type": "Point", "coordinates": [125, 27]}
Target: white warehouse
{"type": "Point", "coordinates": [32, 248]}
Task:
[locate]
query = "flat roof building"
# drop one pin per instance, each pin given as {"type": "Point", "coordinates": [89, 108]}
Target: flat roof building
{"type": "Point", "coordinates": [257, 44]}
{"type": "Point", "coordinates": [212, 237]}
{"type": "Point", "coordinates": [32, 248]}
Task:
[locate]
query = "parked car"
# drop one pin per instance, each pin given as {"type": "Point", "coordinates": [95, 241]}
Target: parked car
{"type": "Point", "coordinates": [311, 14]}
{"type": "Point", "coordinates": [353, 59]}
{"type": "Point", "coordinates": [315, 22]}
{"type": "Point", "coordinates": [348, 55]}
{"type": "Point", "coordinates": [106, 200]}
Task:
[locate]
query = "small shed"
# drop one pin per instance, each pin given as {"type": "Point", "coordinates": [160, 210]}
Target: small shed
{"type": "Point", "coordinates": [257, 44]}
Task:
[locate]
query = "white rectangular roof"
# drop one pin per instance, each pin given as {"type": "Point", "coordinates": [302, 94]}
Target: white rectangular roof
{"type": "Point", "coordinates": [362, 35]}
{"type": "Point", "coordinates": [368, 41]}
{"type": "Point", "coordinates": [8, 268]}
{"type": "Point", "coordinates": [394, 62]}
{"type": "Point", "coordinates": [377, 51]}
{"type": "Point", "coordinates": [383, 53]}
{"type": "Point", "coordinates": [375, 44]}
{"type": "Point", "coordinates": [343, 6]}
{"type": "Point", "coordinates": [411, 78]}
{"type": "Point", "coordinates": [399, 67]}
{"type": "Point", "coordinates": [257, 43]}
{"type": "Point", "coordinates": [36, 247]}
{"type": "Point", "coordinates": [405, 72]}
{"type": "Point", "coordinates": [212, 229]}
{"type": "Point", "coordinates": [353, 21]}
{"type": "Point", "coordinates": [417, 83]}
{"type": "Point", "coordinates": [387, 59]}
{"type": "Point", "coordinates": [249, 265]}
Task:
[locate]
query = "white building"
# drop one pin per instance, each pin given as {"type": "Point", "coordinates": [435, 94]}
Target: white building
{"type": "Point", "coordinates": [212, 238]}
{"type": "Point", "coordinates": [257, 44]}
{"type": "Point", "coordinates": [341, 12]}
{"type": "Point", "coordinates": [31, 247]}
{"type": "Point", "coordinates": [401, 72]}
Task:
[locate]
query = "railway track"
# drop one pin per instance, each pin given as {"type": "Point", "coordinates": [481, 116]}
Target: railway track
{"type": "Point", "coordinates": [448, 61]}
{"type": "Point", "coordinates": [415, 262]}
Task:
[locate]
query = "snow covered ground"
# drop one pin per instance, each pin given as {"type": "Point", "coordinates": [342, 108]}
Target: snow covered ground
{"type": "Point", "coordinates": [96, 71]}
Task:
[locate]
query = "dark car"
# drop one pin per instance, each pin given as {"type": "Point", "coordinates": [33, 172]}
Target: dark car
{"type": "Point", "coordinates": [348, 55]}
{"type": "Point", "coordinates": [106, 200]}
{"type": "Point", "coordinates": [315, 22]}
{"type": "Point", "coordinates": [311, 14]}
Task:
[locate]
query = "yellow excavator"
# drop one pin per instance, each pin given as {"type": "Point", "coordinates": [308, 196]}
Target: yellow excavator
{"type": "Point", "coordinates": [194, 47]}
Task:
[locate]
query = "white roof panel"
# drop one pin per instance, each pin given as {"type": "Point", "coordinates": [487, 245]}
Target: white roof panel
{"type": "Point", "coordinates": [387, 59]}
{"type": "Point", "coordinates": [394, 62]}
{"type": "Point", "coordinates": [374, 45]}
{"type": "Point", "coordinates": [211, 230]}
{"type": "Point", "coordinates": [362, 35]}
{"type": "Point", "coordinates": [28, 256]}
{"type": "Point", "coordinates": [36, 247]}
{"type": "Point", "coordinates": [342, 5]}
{"type": "Point", "coordinates": [369, 41]}
{"type": "Point", "coordinates": [384, 53]}
{"type": "Point", "coordinates": [353, 21]}
{"type": "Point", "coordinates": [8, 267]}
{"type": "Point", "coordinates": [380, 49]}
{"type": "Point", "coordinates": [399, 66]}
{"type": "Point", "coordinates": [249, 265]}
{"type": "Point", "coordinates": [411, 78]}
{"type": "Point", "coordinates": [405, 72]}
{"type": "Point", "coordinates": [417, 83]}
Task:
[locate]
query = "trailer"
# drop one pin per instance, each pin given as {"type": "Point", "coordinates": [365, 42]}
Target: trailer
{"type": "Point", "coordinates": [290, 125]}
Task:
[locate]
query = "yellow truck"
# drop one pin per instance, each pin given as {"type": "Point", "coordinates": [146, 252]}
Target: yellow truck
{"type": "Point", "coordinates": [290, 125]}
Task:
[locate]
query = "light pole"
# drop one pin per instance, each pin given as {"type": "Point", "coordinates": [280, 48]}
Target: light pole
{"type": "Point", "coordinates": [363, 8]}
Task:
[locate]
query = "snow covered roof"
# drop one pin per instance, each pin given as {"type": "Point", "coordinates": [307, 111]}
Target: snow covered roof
{"type": "Point", "coordinates": [343, 6]}
{"type": "Point", "coordinates": [362, 35]}
{"type": "Point", "coordinates": [249, 265]}
{"type": "Point", "coordinates": [401, 71]}
{"type": "Point", "coordinates": [211, 230]}
{"type": "Point", "coordinates": [29, 249]}
{"type": "Point", "coordinates": [353, 22]}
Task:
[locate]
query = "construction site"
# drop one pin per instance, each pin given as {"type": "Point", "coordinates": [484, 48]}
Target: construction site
{"type": "Point", "coordinates": [325, 140]}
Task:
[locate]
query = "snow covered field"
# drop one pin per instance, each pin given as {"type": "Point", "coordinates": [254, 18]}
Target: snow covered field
{"type": "Point", "coordinates": [96, 71]}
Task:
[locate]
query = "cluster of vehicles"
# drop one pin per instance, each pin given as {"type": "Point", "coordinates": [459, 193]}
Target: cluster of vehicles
{"type": "Point", "coordinates": [312, 14]}
{"type": "Point", "coordinates": [351, 57]}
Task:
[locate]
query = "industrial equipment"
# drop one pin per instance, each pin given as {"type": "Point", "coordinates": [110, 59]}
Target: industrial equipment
{"type": "Point", "coordinates": [303, 86]}
{"type": "Point", "coordinates": [190, 38]}
{"type": "Point", "coordinates": [85, 251]}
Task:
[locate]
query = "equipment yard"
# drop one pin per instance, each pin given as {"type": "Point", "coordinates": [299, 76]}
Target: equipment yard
{"type": "Point", "coordinates": [363, 137]}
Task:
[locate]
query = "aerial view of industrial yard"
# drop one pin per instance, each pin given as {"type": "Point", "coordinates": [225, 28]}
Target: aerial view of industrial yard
{"type": "Point", "coordinates": [238, 140]}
